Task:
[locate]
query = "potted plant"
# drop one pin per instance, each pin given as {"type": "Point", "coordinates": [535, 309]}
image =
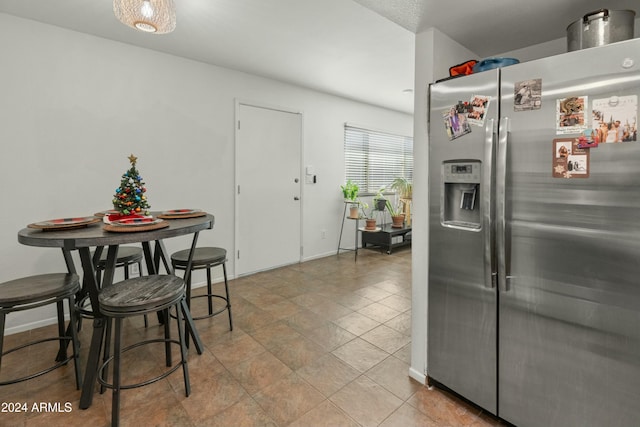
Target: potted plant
{"type": "Point", "coordinates": [404, 190]}
{"type": "Point", "coordinates": [402, 187]}
{"type": "Point", "coordinates": [370, 221]}
{"type": "Point", "coordinates": [380, 201]}
{"type": "Point", "coordinates": [350, 192]}
{"type": "Point", "coordinates": [397, 217]}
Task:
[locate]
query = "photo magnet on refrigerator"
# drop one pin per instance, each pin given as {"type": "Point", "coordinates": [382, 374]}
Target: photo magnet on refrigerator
{"type": "Point", "coordinates": [479, 106]}
{"type": "Point", "coordinates": [588, 139]}
{"type": "Point", "coordinates": [569, 160]}
{"type": "Point", "coordinates": [455, 120]}
{"type": "Point", "coordinates": [616, 118]}
{"type": "Point", "coordinates": [527, 95]}
{"type": "Point", "coordinates": [570, 115]}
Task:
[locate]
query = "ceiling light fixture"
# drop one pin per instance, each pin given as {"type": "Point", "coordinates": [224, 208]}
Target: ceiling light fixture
{"type": "Point", "coordinates": [150, 16]}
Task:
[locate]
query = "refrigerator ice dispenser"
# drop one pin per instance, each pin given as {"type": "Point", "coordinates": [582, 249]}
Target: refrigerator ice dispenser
{"type": "Point", "coordinates": [460, 194]}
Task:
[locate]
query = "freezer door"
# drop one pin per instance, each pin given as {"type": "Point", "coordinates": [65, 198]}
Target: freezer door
{"type": "Point", "coordinates": [569, 311]}
{"type": "Point", "coordinates": [462, 304]}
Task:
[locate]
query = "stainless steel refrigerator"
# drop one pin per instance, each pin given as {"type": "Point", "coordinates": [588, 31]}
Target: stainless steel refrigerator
{"type": "Point", "coordinates": [534, 239]}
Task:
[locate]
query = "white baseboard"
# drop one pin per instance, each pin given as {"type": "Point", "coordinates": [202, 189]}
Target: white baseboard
{"type": "Point", "coordinates": [418, 376]}
{"type": "Point", "coordinates": [324, 255]}
{"type": "Point", "coordinates": [33, 325]}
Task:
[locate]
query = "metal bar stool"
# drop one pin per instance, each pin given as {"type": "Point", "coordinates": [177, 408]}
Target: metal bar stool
{"type": "Point", "coordinates": [37, 291]}
{"type": "Point", "coordinates": [207, 257]}
{"type": "Point", "coordinates": [133, 297]}
{"type": "Point", "coordinates": [127, 255]}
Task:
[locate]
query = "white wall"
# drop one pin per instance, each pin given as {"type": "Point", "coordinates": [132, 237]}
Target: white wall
{"type": "Point", "coordinates": [542, 50]}
{"type": "Point", "coordinates": [435, 53]}
{"type": "Point", "coordinates": [74, 107]}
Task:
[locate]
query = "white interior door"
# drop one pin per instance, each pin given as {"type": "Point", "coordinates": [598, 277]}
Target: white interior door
{"type": "Point", "coordinates": [268, 186]}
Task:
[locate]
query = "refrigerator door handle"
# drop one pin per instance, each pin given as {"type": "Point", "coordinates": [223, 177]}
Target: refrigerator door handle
{"type": "Point", "coordinates": [501, 234]}
{"type": "Point", "coordinates": [487, 202]}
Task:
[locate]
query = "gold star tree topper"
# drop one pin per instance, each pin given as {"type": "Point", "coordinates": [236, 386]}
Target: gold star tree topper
{"type": "Point", "coordinates": [133, 159]}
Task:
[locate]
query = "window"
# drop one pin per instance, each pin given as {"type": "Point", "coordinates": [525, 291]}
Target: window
{"type": "Point", "coordinates": [374, 159]}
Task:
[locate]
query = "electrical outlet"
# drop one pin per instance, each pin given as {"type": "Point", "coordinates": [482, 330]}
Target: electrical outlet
{"type": "Point", "coordinates": [133, 269]}
{"type": "Point", "coordinates": [323, 234]}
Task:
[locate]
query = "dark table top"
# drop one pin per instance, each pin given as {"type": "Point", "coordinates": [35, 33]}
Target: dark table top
{"type": "Point", "coordinates": [95, 235]}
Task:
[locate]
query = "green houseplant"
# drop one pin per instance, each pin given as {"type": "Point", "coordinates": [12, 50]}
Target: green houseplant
{"type": "Point", "coordinates": [379, 200]}
{"type": "Point", "coordinates": [350, 191]}
{"type": "Point", "coordinates": [404, 190]}
{"type": "Point", "coordinates": [367, 213]}
{"type": "Point", "coordinates": [402, 187]}
{"type": "Point", "coordinates": [394, 209]}
{"type": "Point", "coordinates": [397, 216]}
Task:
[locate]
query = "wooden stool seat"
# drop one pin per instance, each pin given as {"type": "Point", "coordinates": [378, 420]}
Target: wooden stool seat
{"type": "Point", "coordinates": [141, 294]}
{"type": "Point", "coordinates": [36, 291]}
{"type": "Point", "coordinates": [126, 255]}
{"type": "Point", "coordinates": [202, 257]}
{"type": "Point", "coordinates": [205, 258]}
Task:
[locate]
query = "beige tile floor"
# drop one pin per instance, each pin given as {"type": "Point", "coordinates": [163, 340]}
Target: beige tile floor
{"type": "Point", "coordinates": [322, 343]}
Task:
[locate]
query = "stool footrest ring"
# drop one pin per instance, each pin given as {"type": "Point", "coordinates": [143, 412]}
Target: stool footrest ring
{"type": "Point", "coordinates": [213, 313]}
{"type": "Point", "coordinates": [44, 371]}
{"type": "Point", "coordinates": [165, 374]}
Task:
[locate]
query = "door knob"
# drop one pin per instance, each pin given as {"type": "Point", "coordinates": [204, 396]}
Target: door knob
{"type": "Point", "coordinates": [296, 198]}
{"type": "Point", "coordinates": [296, 180]}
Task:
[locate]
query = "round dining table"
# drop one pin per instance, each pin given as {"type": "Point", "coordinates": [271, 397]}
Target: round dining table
{"type": "Point", "coordinates": [96, 236]}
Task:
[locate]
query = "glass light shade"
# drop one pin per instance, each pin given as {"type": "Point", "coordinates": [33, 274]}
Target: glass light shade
{"type": "Point", "coordinates": [151, 16]}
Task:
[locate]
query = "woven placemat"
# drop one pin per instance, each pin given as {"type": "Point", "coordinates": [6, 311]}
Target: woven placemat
{"type": "Point", "coordinates": [182, 216]}
{"type": "Point", "coordinates": [136, 228]}
{"type": "Point", "coordinates": [62, 226]}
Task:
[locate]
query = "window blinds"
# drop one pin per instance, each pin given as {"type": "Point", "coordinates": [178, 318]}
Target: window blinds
{"type": "Point", "coordinates": [373, 159]}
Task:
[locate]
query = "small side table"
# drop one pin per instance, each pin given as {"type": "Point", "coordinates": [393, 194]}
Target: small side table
{"type": "Point", "coordinates": [383, 237]}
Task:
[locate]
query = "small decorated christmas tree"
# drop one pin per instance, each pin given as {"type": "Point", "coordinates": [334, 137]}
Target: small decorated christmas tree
{"type": "Point", "coordinates": [130, 198]}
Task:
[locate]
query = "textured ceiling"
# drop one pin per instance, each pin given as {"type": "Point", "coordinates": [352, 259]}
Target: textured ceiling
{"type": "Point", "coordinates": [358, 49]}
